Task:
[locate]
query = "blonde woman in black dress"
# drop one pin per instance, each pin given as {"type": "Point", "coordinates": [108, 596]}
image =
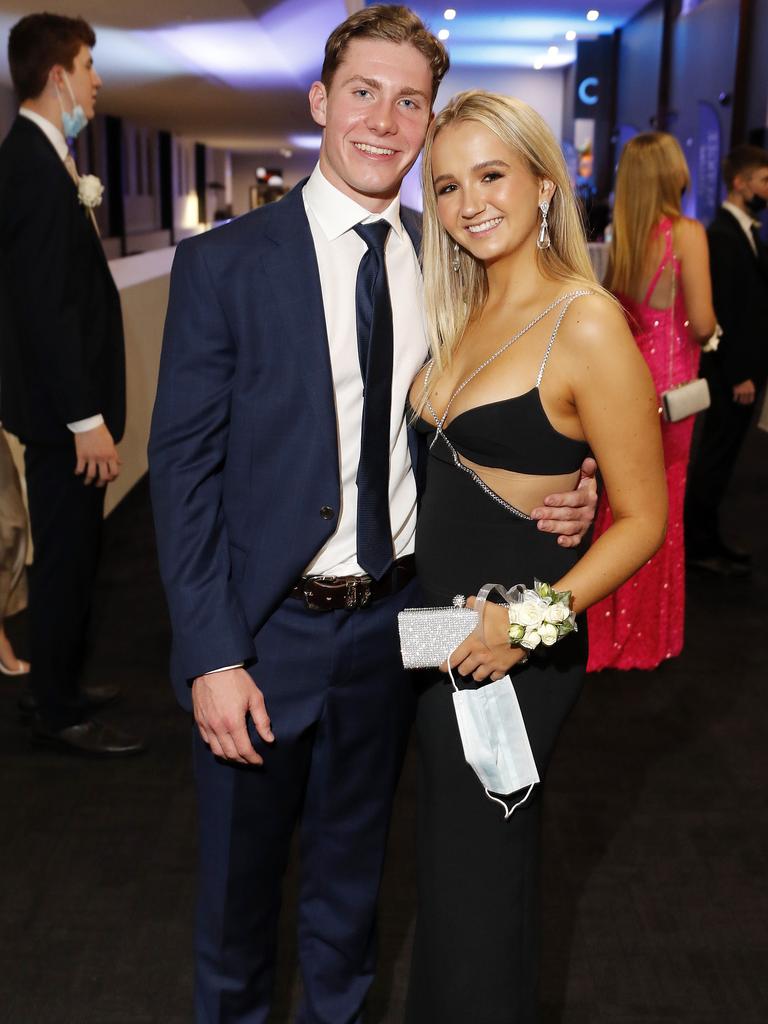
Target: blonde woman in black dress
{"type": "Point", "coordinates": [533, 367]}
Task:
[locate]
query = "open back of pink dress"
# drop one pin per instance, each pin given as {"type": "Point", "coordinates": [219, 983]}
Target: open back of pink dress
{"type": "Point", "coordinates": [641, 624]}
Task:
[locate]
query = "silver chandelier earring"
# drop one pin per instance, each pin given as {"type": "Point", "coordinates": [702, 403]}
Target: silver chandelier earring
{"type": "Point", "coordinates": [543, 240]}
{"type": "Point", "coordinates": [455, 262]}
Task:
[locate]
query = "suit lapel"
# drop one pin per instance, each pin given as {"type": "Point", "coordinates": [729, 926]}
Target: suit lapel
{"type": "Point", "coordinates": [738, 232]}
{"type": "Point", "coordinates": [32, 136]}
{"type": "Point", "coordinates": [416, 444]}
{"type": "Point", "coordinates": [762, 257]}
{"type": "Point", "coordinates": [295, 287]}
{"type": "Point", "coordinates": [412, 224]}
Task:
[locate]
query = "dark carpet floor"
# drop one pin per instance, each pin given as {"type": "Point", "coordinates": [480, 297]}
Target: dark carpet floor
{"type": "Point", "coordinates": [655, 881]}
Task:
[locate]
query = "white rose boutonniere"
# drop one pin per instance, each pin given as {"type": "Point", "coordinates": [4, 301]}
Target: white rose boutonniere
{"type": "Point", "coordinates": [89, 191]}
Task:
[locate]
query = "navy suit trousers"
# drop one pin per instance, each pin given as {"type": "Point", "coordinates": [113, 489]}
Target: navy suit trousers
{"type": "Point", "coordinates": [341, 707]}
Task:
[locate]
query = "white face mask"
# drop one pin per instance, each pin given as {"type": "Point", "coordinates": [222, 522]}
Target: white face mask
{"type": "Point", "coordinates": [493, 735]}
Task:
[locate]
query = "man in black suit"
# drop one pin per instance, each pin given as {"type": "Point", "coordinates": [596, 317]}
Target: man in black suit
{"type": "Point", "coordinates": [737, 371]}
{"type": "Point", "coordinates": [62, 369]}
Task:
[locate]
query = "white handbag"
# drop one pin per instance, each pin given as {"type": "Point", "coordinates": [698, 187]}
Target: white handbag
{"type": "Point", "coordinates": [689, 397]}
{"type": "Point", "coordinates": [685, 400]}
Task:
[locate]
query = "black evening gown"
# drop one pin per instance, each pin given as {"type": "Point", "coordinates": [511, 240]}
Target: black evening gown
{"type": "Point", "coordinates": [475, 951]}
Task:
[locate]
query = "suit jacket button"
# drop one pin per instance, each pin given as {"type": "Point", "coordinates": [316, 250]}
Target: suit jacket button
{"type": "Point", "coordinates": [327, 512]}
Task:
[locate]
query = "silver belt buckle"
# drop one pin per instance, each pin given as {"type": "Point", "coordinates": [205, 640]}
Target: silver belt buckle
{"type": "Point", "coordinates": [358, 593]}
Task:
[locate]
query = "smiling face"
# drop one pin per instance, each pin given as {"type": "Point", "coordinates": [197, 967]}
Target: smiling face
{"type": "Point", "coordinates": [375, 116]}
{"type": "Point", "coordinates": [487, 198]}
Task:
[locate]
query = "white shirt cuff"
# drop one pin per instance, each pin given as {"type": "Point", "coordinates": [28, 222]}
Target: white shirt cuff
{"type": "Point", "coordinates": [80, 426]}
{"type": "Point", "coordinates": [214, 671]}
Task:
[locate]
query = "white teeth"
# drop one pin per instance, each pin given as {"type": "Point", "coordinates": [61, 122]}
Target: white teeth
{"type": "Point", "coordinates": [485, 226]}
{"type": "Point", "coordinates": [376, 150]}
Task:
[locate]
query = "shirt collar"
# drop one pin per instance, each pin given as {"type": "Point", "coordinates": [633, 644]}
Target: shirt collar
{"type": "Point", "coordinates": [746, 220]}
{"type": "Point", "coordinates": [337, 213]}
{"type": "Point", "coordinates": [49, 129]}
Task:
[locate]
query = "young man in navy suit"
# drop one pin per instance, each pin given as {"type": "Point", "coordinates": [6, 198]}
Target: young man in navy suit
{"type": "Point", "coordinates": [286, 547]}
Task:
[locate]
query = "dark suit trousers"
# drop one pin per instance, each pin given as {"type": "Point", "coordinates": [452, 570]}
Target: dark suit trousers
{"type": "Point", "coordinates": [725, 425]}
{"type": "Point", "coordinates": [66, 521]}
{"type": "Point", "coordinates": [341, 707]}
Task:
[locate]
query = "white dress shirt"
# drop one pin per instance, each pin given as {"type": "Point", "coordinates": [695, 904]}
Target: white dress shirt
{"type": "Point", "coordinates": [339, 249]}
{"type": "Point", "coordinates": [59, 143]}
{"type": "Point", "coordinates": [746, 222]}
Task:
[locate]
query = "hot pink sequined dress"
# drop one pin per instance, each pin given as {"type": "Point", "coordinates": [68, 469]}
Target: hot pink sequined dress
{"type": "Point", "coordinates": [641, 624]}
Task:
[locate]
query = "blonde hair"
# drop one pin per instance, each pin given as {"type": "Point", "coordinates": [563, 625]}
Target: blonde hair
{"type": "Point", "coordinates": [453, 299]}
{"type": "Point", "coordinates": [649, 184]}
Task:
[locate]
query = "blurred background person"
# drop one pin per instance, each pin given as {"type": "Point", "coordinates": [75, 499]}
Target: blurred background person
{"type": "Point", "coordinates": [659, 271]}
{"type": "Point", "coordinates": [63, 369]}
{"type": "Point", "coordinates": [13, 556]}
{"type": "Point", "coordinates": [737, 370]}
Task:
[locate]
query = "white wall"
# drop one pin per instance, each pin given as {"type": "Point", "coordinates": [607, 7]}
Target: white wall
{"type": "Point", "coordinates": [143, 284]}
{"type": "Point", "coordinates": [544, 90]}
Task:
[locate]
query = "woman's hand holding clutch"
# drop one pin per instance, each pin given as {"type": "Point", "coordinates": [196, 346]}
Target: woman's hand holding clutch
{"type": "Point", "coordinates": [493, 658]}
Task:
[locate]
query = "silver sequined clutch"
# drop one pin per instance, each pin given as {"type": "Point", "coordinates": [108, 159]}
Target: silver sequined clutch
{"type": "Point", "coordinates": [428, 635]}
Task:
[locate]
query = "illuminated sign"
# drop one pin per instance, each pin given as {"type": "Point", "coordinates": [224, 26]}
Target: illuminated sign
{"type": "Point", "coordinates": [588, 90]}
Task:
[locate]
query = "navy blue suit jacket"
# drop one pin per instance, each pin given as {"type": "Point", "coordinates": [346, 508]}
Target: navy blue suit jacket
{"type": "Point", "coordinates": [243, 449]}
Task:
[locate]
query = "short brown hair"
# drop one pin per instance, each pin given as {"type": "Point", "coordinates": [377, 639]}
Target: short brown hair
{"type": "Point", "coordinates": [40, 41]}
{"type": "Point", "coordinates": [742, 159]}
{"type": "Point", "coordinates": [395, 25]}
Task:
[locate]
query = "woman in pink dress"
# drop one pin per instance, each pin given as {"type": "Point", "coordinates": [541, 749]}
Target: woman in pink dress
{"type": "Point", "coordinates": [659, 270]}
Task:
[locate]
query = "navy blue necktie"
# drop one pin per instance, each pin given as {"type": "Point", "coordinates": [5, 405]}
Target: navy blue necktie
{"type": "Point", "coordinates": [374, 345]}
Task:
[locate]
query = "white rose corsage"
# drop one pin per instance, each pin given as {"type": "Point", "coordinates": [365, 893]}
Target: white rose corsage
{"type": "Point", "coordinates": [90, 190]}
{"type": "Point", "coordinates": [539, 616]}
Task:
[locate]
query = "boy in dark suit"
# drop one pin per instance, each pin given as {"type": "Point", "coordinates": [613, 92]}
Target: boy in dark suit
{"type": "Point", "coordinates": [737, 370]}
{"type": "Point", "coordinates": [62, 370]}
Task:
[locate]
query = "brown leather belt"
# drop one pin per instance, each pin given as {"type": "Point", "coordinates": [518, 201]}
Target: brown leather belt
{"type": "Point", "coordinates": [331, 593]}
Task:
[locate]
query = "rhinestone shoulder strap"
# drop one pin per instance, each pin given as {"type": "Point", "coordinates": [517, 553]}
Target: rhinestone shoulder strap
{"type": "Point", "coordinates": [566, 299]}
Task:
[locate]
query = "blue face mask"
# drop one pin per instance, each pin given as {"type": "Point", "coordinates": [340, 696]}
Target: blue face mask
{"type": "Point", "coordinates": [72, 122]}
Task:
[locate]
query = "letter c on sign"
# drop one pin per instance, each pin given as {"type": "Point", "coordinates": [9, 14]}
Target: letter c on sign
{"type": "Point", "coordinates": [587, 97]}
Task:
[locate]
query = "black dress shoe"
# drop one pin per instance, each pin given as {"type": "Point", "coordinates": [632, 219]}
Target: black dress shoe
{"type": "Point", "coordinates": [91, 698]}
{"type": "Point", "coordinates": [93, 738]}
{"type": "Point", "coordinates": [732, 554]}
{"type": "Point", "coordinates": [717, 564]}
